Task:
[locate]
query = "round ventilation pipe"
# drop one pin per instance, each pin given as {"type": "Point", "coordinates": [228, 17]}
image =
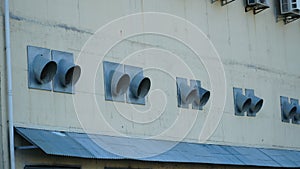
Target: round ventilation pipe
{"type": "Point", "coordinates": [44, 69]}
{"type": "Point", "coordinates": [203, 96]}
{"type": "Point", "coordinates": [289, 110]}
{"type": "Point", "coordinates": [140, 86]}
{"type": "Point", "coordinates": [68, 72]}
{"type": "Point", "coordinates": [119, 83]}
{"type": "Point", "coordinates": [256, 104]}
{"type": "Point", "coordinates": [243, 103]}
{"type": "Point", "coordinates": [188, 94]}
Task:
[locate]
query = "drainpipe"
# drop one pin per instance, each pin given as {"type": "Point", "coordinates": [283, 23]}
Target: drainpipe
{"type": "Point", "coordinates": [9, 86]}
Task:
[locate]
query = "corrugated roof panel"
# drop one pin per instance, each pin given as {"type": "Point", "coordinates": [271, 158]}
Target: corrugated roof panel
{"type": "Point", "coordinates": [233, 160]}
{"type": "Point", "coordinates": [231, 150]}
{"type": "Point", "coordinates": [253, 156]}
{"type": "Point", "coordinates": [104, 147]}
{"type": "Point", "coordinates": [55, 142]}
{"type": "Point", "coordinates": [177, 155]}
{"type": "Point", "coordinates": [284, 161]}
{"type": "Point", "coordinates": [286, 158]}
{"type": "Point", "coordinates": [295, 156]}
{"type": "Point", "coordinates": [88, 142]}
{"type": "Point", "coordinates": [216, 149]}
{"type": "Point", "coordinates": [248, 160]}
{"type": "Point", "coordinates": [197, 150]}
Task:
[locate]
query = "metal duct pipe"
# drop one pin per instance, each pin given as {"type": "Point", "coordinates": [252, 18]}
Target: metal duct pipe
{"type": "Point", "coordinates": [9, 86]}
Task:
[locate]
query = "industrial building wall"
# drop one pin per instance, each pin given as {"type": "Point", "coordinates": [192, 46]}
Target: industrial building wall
{"type": "Point", "coordinates": [255, 51]}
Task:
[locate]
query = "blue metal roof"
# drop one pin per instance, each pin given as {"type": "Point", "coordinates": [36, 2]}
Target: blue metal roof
{"type": "Point", "coordinates": [85, 146]}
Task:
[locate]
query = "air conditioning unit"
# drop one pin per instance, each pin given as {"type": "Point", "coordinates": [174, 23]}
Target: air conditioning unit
{"type": "Point", "coordinates": [258, 2]}
{"type": "Point", "coordinates": [290, 6]}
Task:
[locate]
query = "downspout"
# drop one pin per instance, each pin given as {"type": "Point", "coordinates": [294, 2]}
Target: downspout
{"type": "Point", "coordinates": [9, 86]}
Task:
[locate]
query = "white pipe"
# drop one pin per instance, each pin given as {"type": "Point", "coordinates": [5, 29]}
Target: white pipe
{"type": "Point", "coordinates": [9, 87]}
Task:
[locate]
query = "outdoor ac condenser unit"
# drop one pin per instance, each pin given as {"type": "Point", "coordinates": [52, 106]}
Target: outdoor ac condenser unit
{"type": "Point", "coordinates": [290, 6]}
{"type": "Point", "coordinates": [258, 2]}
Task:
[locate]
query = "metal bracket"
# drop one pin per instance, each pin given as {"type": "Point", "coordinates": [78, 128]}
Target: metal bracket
{"type": "Point", "coordinates": [223, 2]}
{"type": "Point", "coordinates": [26, 147]}
{"type": "Point", "coordinates": [256, 8]}
{"type": "Point", "coordinates": [286, 18]}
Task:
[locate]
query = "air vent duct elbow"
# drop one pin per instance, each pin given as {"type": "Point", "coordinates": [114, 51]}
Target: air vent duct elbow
{"type": "Point", "coordinates": [188, 94]}
{"type": "Point", "coordinates": [289, 110]}
{"type": "Point", "coordinates": [242, 102]}
{"type": "Point", "coordinates": [140, 86]}
{"type": "Point", "coordinates": [203, 96]}
{"type": "Point", "coordinates": [68, 73]}
{"type": "Point", "coordinates": [44, 69]}
{"type": "Point", "coordinates": [41, 69]}
{"type": "Point", "coordinates": [119, 83]}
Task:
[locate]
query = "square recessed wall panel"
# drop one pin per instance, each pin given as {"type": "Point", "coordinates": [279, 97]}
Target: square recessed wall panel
{"type": "Point", "coordinates": [235, 92]}
{"type": "Point", "coordinates": [57, 56]}
{"type": "Point", "coordinates": [180, 103]}
{"type": "Point", "coordinates": [108, 70]}
{"type": "Point", "coordinates": [32, 53]}
{"type": "Point", "coordinates": [296, 103]}
{"type": "Point", "coordinates": [250, 92]}
{"type": "Point", "coordinates": [133, 71]}
{"type": "Point", "coordinates": [282, 101]}
{"type": "Point", "coordinates": [196, 83]}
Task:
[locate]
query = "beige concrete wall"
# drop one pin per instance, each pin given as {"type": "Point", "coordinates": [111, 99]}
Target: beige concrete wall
{"type": "Point", "coordinates": [256, 51]}
{"type": "Point", "coordinates": [36, 157]}
{"type": "Point", "coordinates": [41, 159]}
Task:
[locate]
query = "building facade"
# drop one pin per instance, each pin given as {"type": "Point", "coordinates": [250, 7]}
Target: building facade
{"type": "Point", "coordinates": [167, 47]}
